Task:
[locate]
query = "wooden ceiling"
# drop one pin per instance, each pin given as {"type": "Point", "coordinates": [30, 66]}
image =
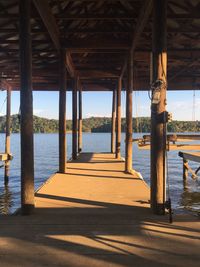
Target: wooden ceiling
{"type": "Point", "coordinates": [98, 35]}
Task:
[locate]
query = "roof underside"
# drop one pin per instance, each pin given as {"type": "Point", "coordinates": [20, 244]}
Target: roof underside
{"type": "Point", "coordinates": [98, 36]}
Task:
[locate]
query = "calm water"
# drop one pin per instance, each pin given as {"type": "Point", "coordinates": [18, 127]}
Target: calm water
{"type": "Point", "coordinates": [46, 163]}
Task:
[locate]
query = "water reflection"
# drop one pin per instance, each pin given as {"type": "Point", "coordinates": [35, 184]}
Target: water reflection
{"type": "Point", "coordinates": [190, 200]}
{"type": "Point", "coordinates": [5, 200]}
{"type": "Point", "coordinates": [46, 163]}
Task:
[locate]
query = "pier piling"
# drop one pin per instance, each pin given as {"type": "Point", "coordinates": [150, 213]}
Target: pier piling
{"type": "Point", "coordinates": [185, 172]}
{"type": "Point", "coordinates": [113, 123]}
{"type": "Point", "coordinates": [62, 114]}
{"type": "Point", "coordinates": [26, 104]}
{"type": "Point", "coordinates": [80, 121]}
{"type": "Point", "coordinates": [158, 125]}
{"type": "Point", "coordinates": [118, 119]}
{"type": "Point", "coordinates": [129, 128]}
{"type": "Point", "coordinates": [7, 143]}
{"type": "Point", "coordinates": [74, 119]}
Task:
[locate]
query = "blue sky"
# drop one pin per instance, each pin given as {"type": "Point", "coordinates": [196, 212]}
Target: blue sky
{"type": "Point", "coordinates": [45, 104]}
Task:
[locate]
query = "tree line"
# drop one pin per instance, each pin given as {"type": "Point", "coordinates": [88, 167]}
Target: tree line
{"type": "Point", "coordinates": [97, 124]}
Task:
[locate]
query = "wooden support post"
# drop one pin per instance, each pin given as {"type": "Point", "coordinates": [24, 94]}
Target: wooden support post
{"type": "Point", "coordinates": [62, 114]}
{"type": "Point", "coordinates": [26, 104]}
{"type": "Point", "coordinates": [129, 127]}
{"type": "Point", "coordinates": [80, 122]}
{"type": "Point", "coordinates": [185, 173]}
{"type": "Point", "coordinates": [158, 126]}
{"type": "Point", "coordinates": [7, 143]}
{"type": "Point", "coordinates": [113, 123]}
{"type": "Point", "coordinates": [118, 119]}
{"type": "Point", "coordinates": [74, 119]}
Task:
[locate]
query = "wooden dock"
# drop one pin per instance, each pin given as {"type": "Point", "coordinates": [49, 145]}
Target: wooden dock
{"type": "Point", "coordinates": [97, 215]}
{"type": "Point", "coordinates": [93, 182]}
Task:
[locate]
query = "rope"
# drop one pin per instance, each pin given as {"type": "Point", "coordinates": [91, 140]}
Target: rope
{"type": "Point", "coordinates": [139, 114]}
{"type": "Point", "coordinates": [168, 202]}
{"type": "Point", "coordinates": [136, 113]}
{"type": "Point", "coordinates": [197, 170]}
{"type": "Point", "coordinates": [2, 106]}
{"type": "Point", "coordinates": [194, 111]}
{"type": "Point", "coordinates": [137, 102]}
{"type": "Point", "coordinates": [193, 106]}
{"type": "Point", "coordinates": [124, 104]}
{"type": "Point", "coordinates": [19, 115]}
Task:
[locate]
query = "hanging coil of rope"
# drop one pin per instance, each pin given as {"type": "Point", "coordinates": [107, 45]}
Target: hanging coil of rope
{"type": "Point", "coordinates": [156, 87]}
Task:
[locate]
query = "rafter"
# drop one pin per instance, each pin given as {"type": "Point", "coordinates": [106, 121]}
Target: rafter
{"type": "Point", "coordinates": [70, 65]}
{"type": "Point", "coordinates": [183, 69]}
{"type": "Point", "coordinates": [141, 23]}
{"type": "Point", "coordinates": [125, 17]}
{"type": "Point", "coordinates": [49, 21]}
{"type": "Point", "coordinates": [53, 30]}
{"type": "Point", "coordinates": [97, 36]}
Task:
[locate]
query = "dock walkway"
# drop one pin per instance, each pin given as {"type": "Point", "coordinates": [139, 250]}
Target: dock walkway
{"type": "Point", "coordinates": [93, 182]}
{"type": "Point", "coordinates": [96, 215]}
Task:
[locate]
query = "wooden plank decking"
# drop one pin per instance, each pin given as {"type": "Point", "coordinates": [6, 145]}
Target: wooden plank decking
{"type": "Point", "coordinates": [96, 215]}
{"type": "Point", "coordinates": [93, 182]}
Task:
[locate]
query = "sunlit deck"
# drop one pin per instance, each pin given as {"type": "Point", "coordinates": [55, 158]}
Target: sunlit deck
{"type": "Point", "coordinates": [96, 215]}
{"type": "Point", "coordinates": [93, 183]}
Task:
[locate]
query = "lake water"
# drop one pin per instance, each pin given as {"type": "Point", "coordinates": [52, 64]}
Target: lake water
{"type": "Point", "coordinates": [46, 163]}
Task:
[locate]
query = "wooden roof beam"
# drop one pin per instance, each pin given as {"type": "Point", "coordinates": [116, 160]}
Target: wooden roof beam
{"type": "Point", "coordinates": [97, 74]}
{"type": "Point", "coordinates": [183, 69]}
{"type": "Point", "coordinates": [49, 21]}
{"type": "Point", "coordinates": [179, 85]}
{"type": "Point", "coordinates": [126, 17]}
{"type": "Point", "coordinates": [53, 30]}
{"type": "Point", "coordinates": [70, 65]}
{"type": "Point", "coordinates": [141, 23]}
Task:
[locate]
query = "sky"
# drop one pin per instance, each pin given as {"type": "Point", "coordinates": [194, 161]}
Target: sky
{"type": "Point", "coordinates": [45, 104]}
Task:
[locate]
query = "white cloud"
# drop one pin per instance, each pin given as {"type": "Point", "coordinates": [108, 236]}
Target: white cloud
{"type": "Point", "coordinates": [38, 111]}
{"type": "Point", "coordinates": [89, 115]}
{"type": "Point", "coordinates": [180, 109]}
{"type": "Point", "coordinates": [183, 110]}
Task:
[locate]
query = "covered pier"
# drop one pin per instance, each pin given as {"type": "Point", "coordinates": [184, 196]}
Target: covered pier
{"type": "Point", "coordinates": [96, 210]}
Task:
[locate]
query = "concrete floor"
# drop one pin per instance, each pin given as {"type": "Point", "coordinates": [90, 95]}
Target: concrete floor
{"type": "Point", "coordinates": [96, 215]}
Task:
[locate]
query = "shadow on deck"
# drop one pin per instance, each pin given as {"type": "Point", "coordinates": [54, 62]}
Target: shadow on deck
{"type": "Point", "coordinates": [84, 220]}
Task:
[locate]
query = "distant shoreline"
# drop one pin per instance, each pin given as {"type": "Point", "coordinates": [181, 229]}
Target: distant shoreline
{"type": "Point", "coordinates": [70, 132]}
{"type": "Point", "coordinates": [98, 125]}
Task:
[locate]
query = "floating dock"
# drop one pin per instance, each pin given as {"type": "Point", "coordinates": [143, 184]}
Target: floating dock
{"type": "Point", "coordinates": [97, 215]}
